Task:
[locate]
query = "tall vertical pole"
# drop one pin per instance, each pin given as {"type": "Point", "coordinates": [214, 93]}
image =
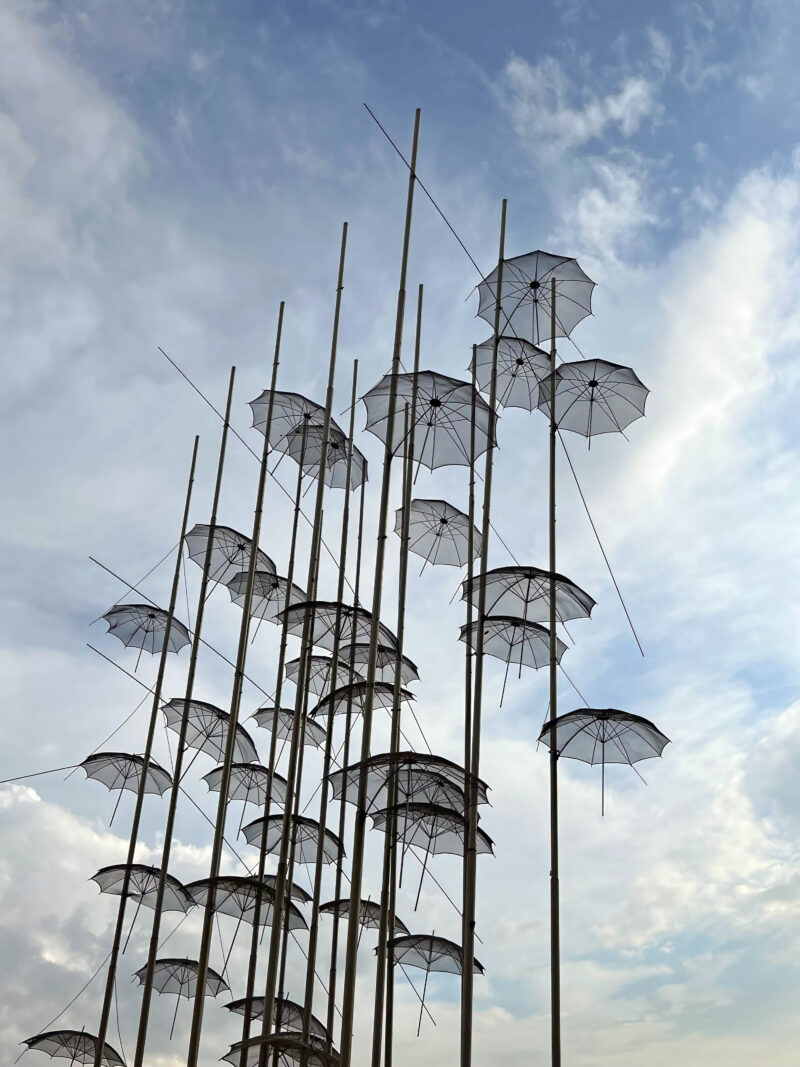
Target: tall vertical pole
{"type": "Point", "coordinates": [313, 929]}
{"type": "Point", "coordinates": [255, 935]}
{"type": "Point", "coordinates": [302, 676]}
{"type": "Point", "coordinates": [177, 771]}
{"type": "Point", "coordinates": [555, 929]}
{"type": "Point", "coordinates": [468, 947]}
{"type": "Point", "coordinates": [140, 792]}
{"type": "Point", "coordinates": [342, 805]}
{"type": "Point", "coordinates": [385, 968]}
{"type": "Point", "coordinates": [230, 741]}
{"type": "Point", "coordinates": [356, 867]}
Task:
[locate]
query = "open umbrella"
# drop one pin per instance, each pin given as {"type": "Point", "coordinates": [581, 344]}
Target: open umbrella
{"type": "Point", "coordinates": [207, 729]}
{"type": "Point", "coordinates": [438, 533]}
{"type": "Point", "coordinates": [123, 770]}
{"type": "Point", "coordinates": [74, 1045]}
{"type": "Point", "coordinates": [593, 396]}
{"type": "Point", "coordinates": [143, 626]}
{"type": "Point", "coordinates": [524, 592]}
{"type": "Point", "coordinates": [230, 552]}
{"type": "Point", "coordinates": [282, 720]}
{"type": "Point", "coordinates": [520, 367]}
{"type": "Point", "coordinates": [430, 953]}
{"type": "Point", "coordinates": [179, 976]}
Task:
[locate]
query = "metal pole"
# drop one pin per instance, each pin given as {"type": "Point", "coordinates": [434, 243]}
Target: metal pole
{"type": "Point", "coordinates": [140, 792]}
{"type": "Point", "coordinates": [236, 697]}
{"type": "Point", "coordinates": [468, 947]}
{"type": "Point", "coordinates": [389, 889]}
{"type": "Point", "coordinates": [351, 957]}
{"type": "Point", "coordinates": [147, 985]}
{"type": "Point", "coordinates": [326, 763]}
{"type": "Point", "coordinates": [305, 648]}
{"type": "Point", "coordinates": [555, 932]}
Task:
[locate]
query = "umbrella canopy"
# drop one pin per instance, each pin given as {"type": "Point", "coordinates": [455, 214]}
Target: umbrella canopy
{"type": "Point", "coordinates": [283, 1050]}
{"type": "Point", "coordinates": [143, 626]}
{"type": "Point", "coordinates": [305, 834]}
{"type": "Point", "coordinates": [230, 552]}
{"type": "Point", "coordinates": [369, 914]}
{"type": "Point", "coordinates": [290, 411]}
{"type": "Point", "coordinates": [282, 719]}
{"type": "Point", "coordinates": [514, 641]}
{"type": "Point", "coordinates": [296, 892]}
{"type": "Point", "coordinates": [305, 443]}
{"type": "Point", "coordinates": [207, 729]}
{"type": "Point", "coordinates": [238, 897]}
{"type": "Point", "coordinates": [525, 296]}
{"type": "Point", "coordinates": [180, 976]}
{"type": "Point", "coordinates": [430, 953]}
{"type": "Point", "coordinates": [438, 830]}
{"type": "Point", "coordinates": [443, 417]}
{"type": "Point", "coordinates": [386, 662]}
{"type": "Point", "coordinates": [271, 593]}
{"type": "Point", "coordinates": [524, 592]}
{"type": "Point", "coordinates": [594, 397]}
{"type": "Point", "coordinates": [320, 672]}
{"type": "Point", "coordinates": [379, 770]}
{"type": "Point", "coordinates": [324, 616]}
{"type": "Point", "coordinates": [249, 783]}
{"type": "Point", "coordinates": [354, 697]}
{"type": "Point", "coordinates": [439, 533]}
{"type": "Point", "coordinates": [74, 1045]}
{"type": "Point", "coordinates": [123, 770]}
{"type": "Point", "coordinates": [520, 367]}
{"type": "Point", "coordinates": [143, 886]}
{"type": "Point", "coordinates": [286, 1015]}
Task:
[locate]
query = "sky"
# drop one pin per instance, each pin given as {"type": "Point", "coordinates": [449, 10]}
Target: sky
{"type": "Point", "coordinates": [169, 172]}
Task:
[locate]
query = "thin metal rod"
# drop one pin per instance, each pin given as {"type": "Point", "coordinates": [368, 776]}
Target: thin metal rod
{"type": "Point", "coordinates": [230, 740]}
{"type": "Point", "coordinates": [147, 984]}
{"type": "Point", "coordinates": [555, 934]}
{"type": "Point", "coordinates": [468, 948]}
{"type": "Point", "coordinates": [342, 806]}
{"type": "Point", "coordinates": [351, 956]}
{"type": "Point", "coordinates": [389, 888]}
{"type": "Point", "coordinates": [105, 1011]}
{"type": "Point", "coordinates": [298, 723]}
{"type": "Point", "coordinates": [322, 819]}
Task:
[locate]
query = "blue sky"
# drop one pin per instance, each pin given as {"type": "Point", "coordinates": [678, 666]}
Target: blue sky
{"type": "Point", "coordinates": [168, 173]}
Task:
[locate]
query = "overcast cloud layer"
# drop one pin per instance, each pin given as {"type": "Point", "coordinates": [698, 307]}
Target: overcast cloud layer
{"type": "Point", "coordinates": [168, 173]}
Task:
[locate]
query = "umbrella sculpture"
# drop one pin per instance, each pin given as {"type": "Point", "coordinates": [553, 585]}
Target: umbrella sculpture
{"type": "Point", "coordinates": [352, 697]}
{"type": "Point", "coordinates": [593, 397]}
{"type": "Point", "coordinates": [319, 672]}
{"type": "Point", "coordinates": [207, 729]}
{"type": "Point", "coordinates": [305, 834]}
{"type": "Point", "coordinates": [525, 592]}
{"type": "Point", "coordinates": [230, 552]}
{"type": "Point", "coordinates": [143, 626]}
{"type": "Point", "coordinates": [526, 644]}
{"type": "Point", "coordinates": [430, 953]}
{"type": "Point", "coordinates": [123, 770]}
{"type": "Point", "coordinates": [604, 735]}
{"type": "Point", "coordinates": [286, 1015]}
{"type": "Point", "coordinates": [283, 719]}
{"type": "Point", "coordinates": [520, 367]}
{"type": "Point", "coordinates": [74, 1045]}
{"type": "Point", "coordinates": [386, 664]}
{"type": "Point", "coordinates": [442, 426]}
{"type": "Point", "coordinates": [525, 296]}
{"type": "Point", "coordinates": [354, 624]}
{"type": "Point", "coordinates": [282, 1050]}
{"type": "Point", "coordinates": [369, 914]}
{"type": "Point", "coordinates": [290, 411]}
{"type": "Point", "coordinates": [380, 768]}
{"type": "Point", "coordinates": [439, 533]}
{"type": "Point", "coordinates": [296, 892]}
{"type": "Point", "coordinates": [180, 977]}
{"type": "Point", "coordinates": [307, 443]}
{"type": "Point", "coordinates": [249, 783]}
{"type": "Point", "coordinates": [143, 885]}
{"type": "Point", "coordinates": [270, 595]}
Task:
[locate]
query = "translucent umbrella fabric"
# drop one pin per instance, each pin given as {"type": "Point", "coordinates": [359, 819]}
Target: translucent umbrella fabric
{"type": "Point", "coordinates": [230, 552]}
{"type": "Point", "coordinates": [369, 914]}
{"type": "Point", "coordinates": [306, 444]}
{"type": "Point", "coordinates": [238, 896]}
{"type": "Point", "coordinates": [305, 834]}
{"type": "Point", "coordinates": [143, 626]}
{"type": "Point", "coordinates": [296, 892]}
{"type": "Point", "coordinates": [283, 1050]}
{"type": "Point", "coordinates": [74, 1045]}
{"type": "Point", "coordinates": [313, 732]}
{"type": "Point", "coordinates": [520, 367]}
{"type": "Point", "coordinates": [443, 417]}
{"type": "Point", "coordinates": [207, 730]}
{"type": "Point", "coordinates": [604, 735]}
{"type": "Point", "coordinates": [430, 953]}
{"type": "Point", "coordinates": [524, 592]}
{"type": "Point", "coordinates": [354, 624]}
{"type": "Point", "coordinates": [594, 397]}
{"type": "Point", "coordinates": [513, 640]}
{"type": "Point", "coordinates": [438, 830]}
{"type": "Point", "coordinates": [271, 593]}
{"type": "Point", "coordinates": [180, 976]}
{"type": "Point", "coordinates": [123, 770]}
{"type": "Point", "coordinates": [439, 533]}
{"type": "Point", "coordinates": [249, 783]}
{"type": "Point", "coordinates": [286, 1015]}
{"type": "Point", "coordinates": [320, 672]}
{"type": "Point", "coordinates": [379, 769]}
{"type": "Point", "coordinates": [143, 886]}
{"type": "Point", "coordinates": [354, 697]}
{"type": "Point", "coordinates": [386, 662]}
{"type": "Point", "coordinates": [290, 411]}
{"type": "Point", "coordinates": [525, 296]}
